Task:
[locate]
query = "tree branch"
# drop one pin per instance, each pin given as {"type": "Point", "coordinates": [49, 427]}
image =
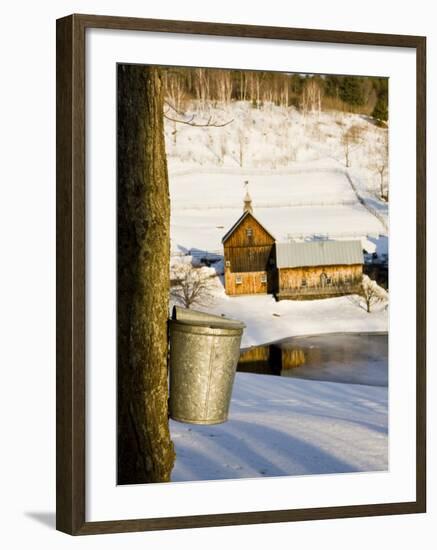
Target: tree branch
{"type": "Point", "coordinates": [208, 124]}
{"type": "Point", "coordinates": [190, 122]}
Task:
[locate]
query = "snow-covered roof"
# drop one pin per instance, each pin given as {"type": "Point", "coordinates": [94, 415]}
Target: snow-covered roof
{"type": "Point", "coordinates": [318, 253]}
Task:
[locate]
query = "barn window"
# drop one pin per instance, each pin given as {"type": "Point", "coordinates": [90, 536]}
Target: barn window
{"type": "Point", "coordinates": [263, 278]}
{"type": "Point", "coordinates": [328, 280]}
{"type": "Point", "coordinates": [228, 263]}
{"type": "Point", "coordinates": [238, 280]}
{"type": "Point", "coordinates": [249, 232]}
{"type": "Point", "coordinates": [303, 283]}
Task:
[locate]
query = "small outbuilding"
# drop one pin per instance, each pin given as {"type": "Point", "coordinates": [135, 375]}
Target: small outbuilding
{"type": "Point", "coordinates": [317, 269]}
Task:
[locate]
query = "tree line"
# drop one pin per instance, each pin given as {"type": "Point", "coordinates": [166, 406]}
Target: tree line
{"type": "Point", "coordinates": [358, 94]}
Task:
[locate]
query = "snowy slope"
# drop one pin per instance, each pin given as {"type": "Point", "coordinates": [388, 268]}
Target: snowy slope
{"type": "Point", "coordinates": [311, 185]}
{"type": "Point", "coordinates": [282, 426]}
{"type": "Point", "coordinates": [271, 138]}
{"type": "Point", "coordinates": [294, 204]}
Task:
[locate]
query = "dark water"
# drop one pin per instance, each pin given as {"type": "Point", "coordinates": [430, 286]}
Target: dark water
{"type": "Point", "coordinates": [353, 358]}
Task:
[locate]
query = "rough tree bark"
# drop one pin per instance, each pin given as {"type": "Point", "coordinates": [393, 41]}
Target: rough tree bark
{"type": "Point", "coordinates": [145, 451]}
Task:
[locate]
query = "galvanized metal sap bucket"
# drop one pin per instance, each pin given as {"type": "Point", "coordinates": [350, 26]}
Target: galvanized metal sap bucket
{"type": "Point", "coordinates": [204, 352]}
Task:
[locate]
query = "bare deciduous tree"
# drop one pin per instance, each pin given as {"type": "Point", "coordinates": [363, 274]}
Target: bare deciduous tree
{"type": "Point", "coordinates": [243, 86]}
{"type": "Point", "coordinates": [223, 147]}
{"type": "Point", "coordinates": [311, 97]}
{"type": "Point", "coordinates": [284, 92]}
{"type": "Point", "coordinates": [350, 139]}
{"type": "Point", "coordinates": [191, 285]}
{"type": "Point", "coordinates": [175, 96]}
{"type": "Point", "coordinates": [242, 145]}
{"type": "Point", "coordinates": [255, 88]}
{"type": "Point", "coordinates": [174, 90]}
{"type": "Point", "coordinates": [379, 164]}
{"type": "Point", "coordinates": [372, 293]}
{"type": "Point", "coordinates": [224, 86]}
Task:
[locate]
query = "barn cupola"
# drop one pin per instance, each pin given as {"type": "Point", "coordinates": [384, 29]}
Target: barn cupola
{"type": "Point", "coordinates": [247, 199]}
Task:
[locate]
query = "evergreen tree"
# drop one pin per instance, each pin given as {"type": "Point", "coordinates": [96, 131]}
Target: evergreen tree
{"type": "Point", "coordinates": [331, 85]}
{"type": "Point", "coordinates": [380, 112]}
{"type": "Point", "coordinates": [380, 85]}
{"type": "Point", "coordinates": [352, 90]}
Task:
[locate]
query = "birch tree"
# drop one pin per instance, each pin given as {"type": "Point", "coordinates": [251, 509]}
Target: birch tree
{"type": "Point", "coordinates": [379, 164]}
{"type": "Point", "coordinates": [311, 97]}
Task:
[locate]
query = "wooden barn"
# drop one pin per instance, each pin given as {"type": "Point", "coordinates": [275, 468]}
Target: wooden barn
{"type": "Point", "coordinates": [249, 256]}
{"type": "Point", "coordinates": [318, 268]}
{"type": "Point", "coordinates": [256, 264]}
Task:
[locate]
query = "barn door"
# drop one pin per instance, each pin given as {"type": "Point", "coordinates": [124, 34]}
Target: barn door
{"type": "Point", "coordinates": [323, 280]}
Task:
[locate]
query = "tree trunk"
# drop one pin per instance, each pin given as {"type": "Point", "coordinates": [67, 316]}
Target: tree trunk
{"type": "Point", "coordinates": [145, 450]}
{"type": "Point", "coordinates": [381, 176]}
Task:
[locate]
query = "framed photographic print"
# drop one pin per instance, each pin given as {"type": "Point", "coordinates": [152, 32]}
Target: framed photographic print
{"type": "Point", "coordinates": [240, 274]}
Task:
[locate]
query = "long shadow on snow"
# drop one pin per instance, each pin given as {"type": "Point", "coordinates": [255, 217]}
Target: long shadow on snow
{"type": "Point", "coordinates": [233, 445]}
{"type": "Point", "coordinates": [306, 458]}
{"type": "Point", "coordinates": [301, 452]}
{"type": "Point", "coordinates": [203, 462]}
{"type": "Point", "coordinates": [300, 396]}
{"type": "Point", "coordinates": [308, 404]}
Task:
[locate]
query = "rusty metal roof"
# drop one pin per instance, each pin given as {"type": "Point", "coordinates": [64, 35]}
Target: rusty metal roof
{"type": "Point", "coordinates": [318, 253]}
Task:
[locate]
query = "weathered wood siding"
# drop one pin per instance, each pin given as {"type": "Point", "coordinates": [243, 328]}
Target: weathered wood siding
{"type": "Point", "coordinates": [249, 254]}
{"type": "Point", "coordinates": [248, 258]}
{"type": "Point", "coordinates": [239, 237]}
{"type": "Point", "coordinates": [250, 283]}
{"type": "Point", "coordinates": [319, 281]}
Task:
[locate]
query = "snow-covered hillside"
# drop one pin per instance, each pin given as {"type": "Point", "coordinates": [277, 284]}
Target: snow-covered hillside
{"type": "Point", "coordinates": [295, 166]}
{"type": "Point", "coordinates": [270, 138]}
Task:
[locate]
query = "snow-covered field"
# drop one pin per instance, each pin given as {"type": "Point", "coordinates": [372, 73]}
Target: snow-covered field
{"type": "Point", "coordinates": [287, 426]}
{"type": "Point", "coordinates": [294, 204]}
{"type": "Point", "coordinates": [276, 189]}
